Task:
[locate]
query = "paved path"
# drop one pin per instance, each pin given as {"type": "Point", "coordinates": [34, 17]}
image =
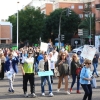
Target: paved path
{"type": "Point", "coordinates": [18, 95]}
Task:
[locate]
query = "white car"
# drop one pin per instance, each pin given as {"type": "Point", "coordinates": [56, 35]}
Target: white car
{"type": "Point", "coordinates": [79, 49]}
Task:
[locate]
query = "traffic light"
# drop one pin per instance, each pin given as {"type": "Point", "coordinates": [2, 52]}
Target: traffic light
{"type": "Point", "coordinates": [68, 12]}
{"type": "Point", "coordinates": [62, 37]}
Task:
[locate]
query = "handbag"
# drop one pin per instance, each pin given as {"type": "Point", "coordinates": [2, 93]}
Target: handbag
{"type": "Point", "coordinates": [78, 70]}
{"type": "Point", "coordinates": [56, 72]}
{"type": "Point", "coordinates": [93, 82]}
{"type": "Point", "coordinates": [64, 69]}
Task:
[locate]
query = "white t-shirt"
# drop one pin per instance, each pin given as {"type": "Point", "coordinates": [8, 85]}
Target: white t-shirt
{"type": "Point", "coordinates": [28, 60]}
{"type": "Point", "coordinates": [11, 68]}
{"type": "Point", "coordinates": [52, 62]}
{"type": "Point", "coordinates": [55, 56]}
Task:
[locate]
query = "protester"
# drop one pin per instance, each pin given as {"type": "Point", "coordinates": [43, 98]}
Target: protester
{"type": "Point", "coordinates": [52, 64]}
{"type": "Point", "coordinates": [44, 65]}
{"type": "Point", "coordinates": [74, 65]}
{"type": "Point", "coordinates": [63, 69]}
{"type": "Point", "coordinates": [28, 74]}
{"type": "Point", "coordinates": [3, 59]}
{"type": "Point", "coordinates": [11, 67]}
{"type": "Point", "coordinates": [85, 80]}
{"type": "Point", "coordinates": [95, 64]}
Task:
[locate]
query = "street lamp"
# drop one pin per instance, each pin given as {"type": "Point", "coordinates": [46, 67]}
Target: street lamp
{"type": "Point", "coordinates": [17, 25]}
{"type": "Point", "coordinates": [67, 14]}
{"type": "Point", "coordinates": [90, 27]}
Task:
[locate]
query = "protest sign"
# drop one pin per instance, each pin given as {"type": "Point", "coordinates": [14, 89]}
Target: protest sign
{"type": "Point", "coordinates": [88, 52]}
{"type": "Point", "coordinates": [45, 73]}
{"type": "Point", "coordinates": [44, 46]}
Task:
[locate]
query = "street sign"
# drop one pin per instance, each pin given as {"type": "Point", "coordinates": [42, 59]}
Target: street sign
{"type": "Point", "coordinates": [62, 37]}
{"type": "Point", "coordinates": [80, 32]}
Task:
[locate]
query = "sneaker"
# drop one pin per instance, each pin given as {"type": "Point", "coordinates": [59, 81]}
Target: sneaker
{"type": "Point", "coordinates": [67, 92]}
{"type": "Point", "coordinates": [78, 92]}
{"type": "Point", "coordinates": [26, 94]}
{"type": "Point", "coordinates": [58, 90]}
{"type": "Point", "coordinates": [51, 94]}
{"type": "Point", "coordinates": [70, 90]}
{"type": "Point", "coordinates": [43, 94]}
{"type": "Point", "coordinates": [12, 91]}
{"type": "Point", "coordinates": [9, 90]}
{"type": "Point", "coordinates": [97, 75]}
{"type": "Point", "coordinates": [33, 95]}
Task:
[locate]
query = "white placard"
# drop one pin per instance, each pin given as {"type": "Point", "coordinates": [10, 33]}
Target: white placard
{"type": "Point", "coordinates": [44, 46]}
{"type": "Point", "coordinates": [88, 52]}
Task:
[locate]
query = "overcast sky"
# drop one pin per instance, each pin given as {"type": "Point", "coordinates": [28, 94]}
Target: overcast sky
{"type": "Point", "coordinates": [9, 7]}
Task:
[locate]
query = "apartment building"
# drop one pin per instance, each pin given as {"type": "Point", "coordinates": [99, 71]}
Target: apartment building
{"type": "Point", "coordinates": [5, 32]}
{"type": "Point", "coordinates": [97, 23]}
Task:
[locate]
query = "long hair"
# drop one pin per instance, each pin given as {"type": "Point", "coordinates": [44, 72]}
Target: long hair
{"type": "Point", "coordinates": [76, 57]}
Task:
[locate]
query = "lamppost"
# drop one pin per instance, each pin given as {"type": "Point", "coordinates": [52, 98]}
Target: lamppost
{"type": "Point", "coordinates": [90, 28]}
{"type": "Point", "coordinates": [68, 12]}
{"type": "Point", "coordinates": [17, 25]}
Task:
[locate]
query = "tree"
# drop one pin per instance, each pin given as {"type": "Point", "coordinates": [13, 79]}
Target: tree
{"type": "Point", "coordinates": [86, 23]}
{"type": "Point", "coordinates": [68, 24]}
{"type": "Point", "coordinates": [31, 22]}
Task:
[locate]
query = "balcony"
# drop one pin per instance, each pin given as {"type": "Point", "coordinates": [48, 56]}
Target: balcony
{"type": "Point", "coordinates": [97, 6]}
{"type": "Point", "coordinates": [97, 19]}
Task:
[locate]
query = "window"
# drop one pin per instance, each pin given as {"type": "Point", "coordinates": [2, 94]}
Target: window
{"type": "Point", "coordinates": [81, 15]}
{"type": "Point", "coordinates": [72, 7]}
{"type": "Point", "coordinates": [86, 15]}
{"type": "Point", "coordinates": [3, 41]}
{"type": "Point", "coordinates": [80, 7]}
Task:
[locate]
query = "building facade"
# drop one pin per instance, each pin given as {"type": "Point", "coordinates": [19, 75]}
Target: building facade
{"type": "Point", "coordinates": [5, 32]}
{"type": "Point", "coordinates": [97, 24]}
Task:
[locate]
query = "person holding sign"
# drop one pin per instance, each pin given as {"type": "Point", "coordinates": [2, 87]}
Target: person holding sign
{"type": "Point", "coordinates": [44, 65]}
{"type": "Point", "coordinates": [28, 74]}
{"type": "Point", "coordinates": [11, 68]}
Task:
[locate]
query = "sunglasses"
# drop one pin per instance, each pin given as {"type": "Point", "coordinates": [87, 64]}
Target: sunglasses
{"type": "Point", "coordinates": [89, 63]}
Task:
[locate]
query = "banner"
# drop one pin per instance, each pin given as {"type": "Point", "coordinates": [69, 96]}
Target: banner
{"type": "Point", "coordinates": [14, 48]}
{"type": "Point", "coordinates": [88, 52]}
{"type": "Point", "coordinates": [44, 46]}
{"type": "Point", "coordinates": [45, 73]}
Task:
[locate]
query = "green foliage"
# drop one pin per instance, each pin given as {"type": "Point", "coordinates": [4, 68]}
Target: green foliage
{"type": "Point", "coordinates": [69, 24]}
{"type": "Point", "coordinates": [86, 23]}
{"type": "Point", "coordinates": [30, 25]}
{"type": "Point", "coordinates": [33, 24]}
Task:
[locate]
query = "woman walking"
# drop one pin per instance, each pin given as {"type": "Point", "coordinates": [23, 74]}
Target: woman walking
{"type": "Point", "coordinates": [2, 57]}
{"type": "Point", "coordinates": [74, 65]}
{"type": "Point", "coordinates": [85, 78]}
{"type": "Point", "coordinates": [63, 69]}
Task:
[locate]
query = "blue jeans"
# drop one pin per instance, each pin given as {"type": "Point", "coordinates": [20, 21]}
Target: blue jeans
{"type": "Point", "coordinates": [88, 91]}
{"type": "Point", "coordinates": [36, 67]}
{"type": "Point", "coordinates": [74, 80]}
{"type": "Point", "coordinates": [95, 65]}
{"type": "Point", "coordinates": [43, 79]}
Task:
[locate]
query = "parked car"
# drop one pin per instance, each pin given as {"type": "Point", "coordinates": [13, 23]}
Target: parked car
{"type": "Point", "coordinates": [79, 49]}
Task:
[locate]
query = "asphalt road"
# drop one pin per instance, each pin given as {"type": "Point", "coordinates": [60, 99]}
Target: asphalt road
{"type": "Point", "coordinates": [18, 95]}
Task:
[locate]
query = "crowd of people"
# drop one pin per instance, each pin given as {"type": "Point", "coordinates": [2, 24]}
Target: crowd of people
{"type": "Point", "coordinates": [33, 60]}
